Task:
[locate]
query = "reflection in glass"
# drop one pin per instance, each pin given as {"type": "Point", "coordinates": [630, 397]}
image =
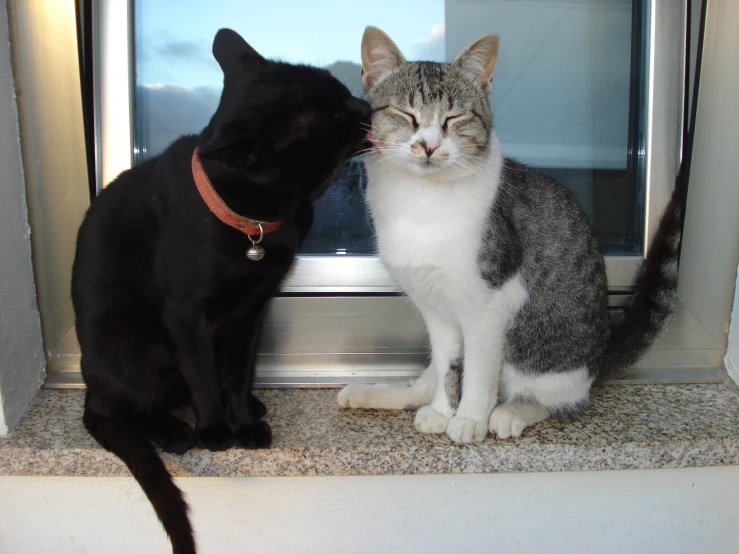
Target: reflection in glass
{"type": "Point", "coordinates": [566, 93]}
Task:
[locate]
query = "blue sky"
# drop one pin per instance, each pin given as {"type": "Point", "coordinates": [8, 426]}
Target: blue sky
{"type": "Point", "coordinates": [561, 85]}
{"type": "Point", "coordinates": [174, 37]}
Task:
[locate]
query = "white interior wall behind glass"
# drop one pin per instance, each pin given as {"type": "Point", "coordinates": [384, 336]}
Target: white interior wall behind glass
{"type": "Point", "coordinates": [561, 85]}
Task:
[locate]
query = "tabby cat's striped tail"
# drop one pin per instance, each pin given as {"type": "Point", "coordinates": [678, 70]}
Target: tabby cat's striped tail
{"type": "Point", "coordinates": [654, 297]}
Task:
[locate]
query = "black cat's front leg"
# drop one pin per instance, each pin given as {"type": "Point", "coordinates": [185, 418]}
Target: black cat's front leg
{"type": "Point", "coordinates": [257, 408]}
{"type": "Point", "coordinates": [238, 355]}
{"type": "Point", "coordinates": [196, 359]}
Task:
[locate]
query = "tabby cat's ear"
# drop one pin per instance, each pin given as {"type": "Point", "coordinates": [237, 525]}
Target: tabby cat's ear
{"type": "Point", "coordinates": [479, 59]}
{"type": "Point", "coordinates": [232, 52]}
{"type": "Point", "coordinates": [380, 55]}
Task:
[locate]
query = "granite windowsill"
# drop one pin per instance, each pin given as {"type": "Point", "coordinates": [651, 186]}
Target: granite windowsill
{"type": "Point", "coordinates": [627, 427]}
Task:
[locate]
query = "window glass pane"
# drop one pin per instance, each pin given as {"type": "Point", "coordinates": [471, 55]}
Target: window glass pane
{"type": "Point", "coordinates": [567, 93]}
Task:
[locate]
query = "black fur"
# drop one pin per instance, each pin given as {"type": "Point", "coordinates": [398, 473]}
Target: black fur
{"type": "Point", "coordinates": [168, 308]}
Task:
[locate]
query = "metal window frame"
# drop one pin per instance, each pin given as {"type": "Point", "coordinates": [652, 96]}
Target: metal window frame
{"type": "Point", "coordinates": [341, 318]}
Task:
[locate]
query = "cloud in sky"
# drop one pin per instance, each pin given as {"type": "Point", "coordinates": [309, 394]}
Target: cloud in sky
{"type": "Point", "coordinates": [165, 112]}
{"type": "Point", "coordinates": [436, 33]}
{"type": "Point", "coordinates": [186, 50]}
{"type": "Point", "coordinates": [169, 60]}
{"type": "Point", "coordinates": [432, 47]}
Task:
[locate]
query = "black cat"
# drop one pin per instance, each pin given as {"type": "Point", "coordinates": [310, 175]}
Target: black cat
{"type": "Point", "coordinates": [169, 307]}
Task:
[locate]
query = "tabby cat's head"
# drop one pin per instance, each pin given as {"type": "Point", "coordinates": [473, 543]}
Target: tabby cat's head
{"type": "Point", "coordinates": [427, 116]}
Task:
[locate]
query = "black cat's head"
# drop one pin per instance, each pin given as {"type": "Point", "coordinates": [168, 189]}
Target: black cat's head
{"type": "Point", "coordinates": [284, 126]}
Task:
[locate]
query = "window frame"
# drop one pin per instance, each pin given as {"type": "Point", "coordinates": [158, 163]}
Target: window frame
{"type": "Point", "coordinates": [340, 318]}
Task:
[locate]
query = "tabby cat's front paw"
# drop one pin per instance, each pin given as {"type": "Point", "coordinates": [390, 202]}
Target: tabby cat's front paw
{"type": "Point", "coordinates": [463, 430]}
{"type": "Point", "coordinates": [216, 437]}
{"type": "Point", "coordinates": [258, 435]}
{"type": "Point", "coordinates": [429, 420]}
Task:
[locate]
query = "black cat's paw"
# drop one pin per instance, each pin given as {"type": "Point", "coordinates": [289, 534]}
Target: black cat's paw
{"type": "Point", "coordinates": [258, 435]}
{"type": "Point", "coordinates": [216, 437]}
{"type": "Point", "coordinates": [257, 409]}
{"type": "Point", "coordinates": [178, 439]}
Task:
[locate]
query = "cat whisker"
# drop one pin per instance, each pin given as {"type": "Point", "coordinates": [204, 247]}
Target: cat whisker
{"type": "Point", "coordinates": [475, 166]}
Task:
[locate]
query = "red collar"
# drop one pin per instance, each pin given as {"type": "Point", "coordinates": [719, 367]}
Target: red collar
{"type": "Point", "coordinates": [216, 205]}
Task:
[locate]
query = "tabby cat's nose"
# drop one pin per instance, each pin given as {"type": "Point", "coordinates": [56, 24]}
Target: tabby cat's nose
{"type": "Point", "coordinates": [430, 149]}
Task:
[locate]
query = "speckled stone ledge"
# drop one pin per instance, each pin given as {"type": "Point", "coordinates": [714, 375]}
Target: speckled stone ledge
{"type": "Point", "coordinates": [627, 427]}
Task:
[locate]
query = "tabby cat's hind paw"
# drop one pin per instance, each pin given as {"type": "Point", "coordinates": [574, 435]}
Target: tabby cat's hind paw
{"type": "Point", "coordinates": [354, 396]}
{"type": "Point", "coordinates": [509, 420]}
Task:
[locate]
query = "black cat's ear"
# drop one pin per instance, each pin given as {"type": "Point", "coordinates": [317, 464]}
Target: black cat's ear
{"type": "Point", "coordinates": [232, 52]}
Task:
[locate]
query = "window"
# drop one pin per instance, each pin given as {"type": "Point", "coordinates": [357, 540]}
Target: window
{"type": "Point", "coordinates": [584, 90]}
{"type": "Point", "coordinates": [567, 96]}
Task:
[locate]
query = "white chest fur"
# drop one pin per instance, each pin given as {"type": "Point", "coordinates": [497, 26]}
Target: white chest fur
{"type": "Point", "coordinates": [429, 230]}
{"type": "Point", "coordinates": [430, 222]}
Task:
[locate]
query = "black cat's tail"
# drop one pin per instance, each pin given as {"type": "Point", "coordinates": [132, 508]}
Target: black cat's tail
{"type": "Point", "coordinates": [148, 469]}
{"type": "Point", "coordinates": [654, 297]}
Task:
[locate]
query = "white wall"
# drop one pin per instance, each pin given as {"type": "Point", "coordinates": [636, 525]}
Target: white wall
{"type": "Point", "coordinates": [656, 511]}
{"type": "Point", "coordinates": [562, 80]}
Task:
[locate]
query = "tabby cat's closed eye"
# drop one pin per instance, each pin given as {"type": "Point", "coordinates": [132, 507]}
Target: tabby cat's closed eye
{"type": "Point", "coordinates": [407, 115]}
{"type": "Point", "coordinates": [447, 119]}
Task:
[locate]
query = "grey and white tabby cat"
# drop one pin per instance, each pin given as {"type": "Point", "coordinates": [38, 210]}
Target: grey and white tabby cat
{"type": "Point", "coordinates": [500, 260]}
